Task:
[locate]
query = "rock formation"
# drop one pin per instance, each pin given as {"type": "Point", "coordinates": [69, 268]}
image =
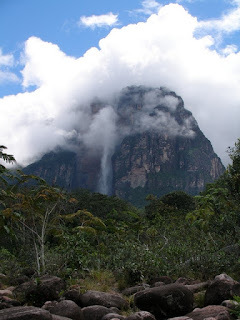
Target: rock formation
{"type": "Point", "coordinates": [157, 148]}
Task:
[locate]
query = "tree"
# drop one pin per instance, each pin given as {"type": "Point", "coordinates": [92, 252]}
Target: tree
{"type": "Point", "coordinates": [8, 158]}
{"type": "Point", "coordinates": [179, 200]}
{"type": "Point", "coordinates": [32, 208]}
{"type": "Point", "coordinates": [5, 177]}
{"type": "Point", "coordinates": [233, 171]}
{"type": "Point", "coordinates": [218, 205]}
{"type": "Point", "coordinates": [176, 202]}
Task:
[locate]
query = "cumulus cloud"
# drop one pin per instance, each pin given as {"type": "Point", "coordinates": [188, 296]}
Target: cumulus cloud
{"type": "Point", "coordinates": [163, 51]}
{"type": "Point", "coordinates": [103, 20]}
{"type": "Point", "coordinates": [228, 23]}
{"type": "Point", "coordinates": [229, 49]}
{"type": "Point", "coordinates": [189, 1]}
{"type": "Point", "coordinates": [6, 61]}
{"type": "Point", "coordinates": [149, 7]}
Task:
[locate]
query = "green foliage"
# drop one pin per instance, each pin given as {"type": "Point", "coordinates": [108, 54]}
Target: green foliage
{"type": "Point", "coordinates": [5, 190]}
{"type": "Point", "coordinates": [177, 202]}
{"type": "Point", "coordinates": [180, 200]}
{"type": "Point", "coordinates": [100, 280]}
{"type": "Point", "coordinates": [7, 260]}
{"type": "Point", "coordinates": [8, 158]}
{"type": "Point", "coordinates": [217, 207]}
{"type": "Point", "coordinates": [99, 204]}
{"type": "Point", "coordinates": [235, 311]}
{"type": "Point", "coordinates": [199, 298]}
{"type": "Point", "coordinates": [233, 172]}
{"type": "Point", "coordinates": [30, 211]}
{"type": "Point", "coordinates": [86, 234]}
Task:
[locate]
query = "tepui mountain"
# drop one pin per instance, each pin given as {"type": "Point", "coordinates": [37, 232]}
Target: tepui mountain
{"type": "Point", "coordinates": [154, 146]}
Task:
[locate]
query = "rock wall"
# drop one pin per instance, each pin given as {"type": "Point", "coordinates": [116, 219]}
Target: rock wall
{"type": "Point", "coordinates": [160, 149]}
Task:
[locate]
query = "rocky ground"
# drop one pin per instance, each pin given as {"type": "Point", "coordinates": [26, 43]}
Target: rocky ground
{"type": "Point", "coordinates": [48, 298]}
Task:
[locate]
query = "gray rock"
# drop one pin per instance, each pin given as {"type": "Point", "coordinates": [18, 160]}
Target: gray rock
{"type": "Point", "coordinates": [171, 300]}
{"type": "Point", "coordinates": [184, 281]}
{"type": "Point", "coordinates": [222, 288]}
{"type": "Point", "coordinates": [158, 284]}
{"type": "Point", "coordinates": [165, 279]}
{"type": "Point", "coordinates": [95, 312]}
{"type": "Point", "coordinates": [111, 316]}
{"type": "Point", "coordinates": [230, 304]}
{"type": "Point", "coordinates": [73, 295]}
{"type": "Point", "coordinates": [6, 292]}
{"type": "Point", "coordinates": [25, 313]}
{"type": "Point", "coordinates": [68, 309]}
{"type": "Point", "coordinates": [56, 317]}
{"type": "Point", "coordinates": [48, 305]}
{"type": "Point", "coordinates": [198, 286]}
{"type": "Point", "coordinates": [142, 315]}
{"type": "Point", "coordinates": [217, 312]}
{"type": "Point", "coordinates": [108, 300]}
{"type": "Point", "coordinates": [132, 290]}
{"type": "Point", "coordinates": [114, 310]}
{"type": "Point", "coordinates": [37, 293]}
{"type": "Point", "coordinates": [180, 318]}
{"type": "Point", "coordinates": [223, 277]}
{"type": "Point", "coordinates": [7, 302]}
{"type": "Point", "coordinates": [23, 288]}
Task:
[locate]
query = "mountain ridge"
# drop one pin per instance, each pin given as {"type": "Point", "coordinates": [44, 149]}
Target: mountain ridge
{"type": "Point", "coordinates": [154, 145]}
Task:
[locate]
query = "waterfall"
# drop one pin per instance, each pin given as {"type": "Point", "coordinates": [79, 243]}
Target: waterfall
{"type": "Point", "coordinates": [105, 180]}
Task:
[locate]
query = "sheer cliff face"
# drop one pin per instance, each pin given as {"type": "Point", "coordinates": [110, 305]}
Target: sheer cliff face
{"type": "Point", "coordinates": [158, 164]}
{"type": "Point", "coordinates": [157, 147]}
{"type": "Point", "coordinates": [171, 154]}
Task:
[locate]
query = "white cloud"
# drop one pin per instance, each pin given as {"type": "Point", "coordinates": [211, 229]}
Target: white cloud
{"type": "Point", "coordinates": [237, 2]}
{"type": "Point", "coordinates": [180, 1]}
{"type": "Point", "coordinates": [188, 1]}
{"type": "Point", "coordinates": [228, 23]}
{"type": "Point", "coordinates": [229, 49]}
{"type": "Point", "coordinates": [162, 51]}
{"type": "Point", "coordinates": [6, 61]}
{"type": "Point", "coordinates": [6, 76]}
{"type": "Point", "coordinates": [148, 7]}
{"type": "Point", "coordinates": [103, 20]}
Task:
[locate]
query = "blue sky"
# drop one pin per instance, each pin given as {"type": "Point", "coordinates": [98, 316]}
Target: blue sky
{"type": "Point", "coordinates": [47, 49]}
{"type": "Point", "coordinates": [57, 21]}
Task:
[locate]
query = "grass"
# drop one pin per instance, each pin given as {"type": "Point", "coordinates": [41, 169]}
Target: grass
{"type": "Point", "coordinates": [99, 280]}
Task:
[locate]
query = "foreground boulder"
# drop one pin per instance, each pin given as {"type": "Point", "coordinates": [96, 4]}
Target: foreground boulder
{"type": "Point", "coordinates": [25, 313]}
{"type": "Point", "coordinates": [74, 295]}
{"type": "Point", "coordinates": [198, 286]}
{"type": "Point", "coordinates": [132, 290]}
{"type": "Point", "coordinates": [108, 300]}
{"type": "Point", "coordinates": [142, 315]}
{"type": "Point", "coordinates": [113, 316]}
{"type": "Point", "coordinates": [222, 288]}
{"type": "Point", "coordinates": [216, 312]}
{"type": "Point", "coordinates": [167, 301]}
{"type": "Point", "coordinates": [6, 292]}
{"type": "Point", "coordinates": [7, 302]}
{"type": "Point", "coordinates": [55, 317]}
{"type": "Point", "coordinates": [47, 288]}
{"type": "Point", "coordinates": [21, 290]}
{"type": "Point", "coordinates": [67, 308]}
{"type": "Point", "coordinates": [95, 312]}
{"type": "Point", "coordinates": [19, 280]}
{"type": "Point", "coordinates": [48, 305]}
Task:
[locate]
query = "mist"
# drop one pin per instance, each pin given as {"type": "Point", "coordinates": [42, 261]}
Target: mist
{"type": "Point", "coordinates": [56, 108]}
